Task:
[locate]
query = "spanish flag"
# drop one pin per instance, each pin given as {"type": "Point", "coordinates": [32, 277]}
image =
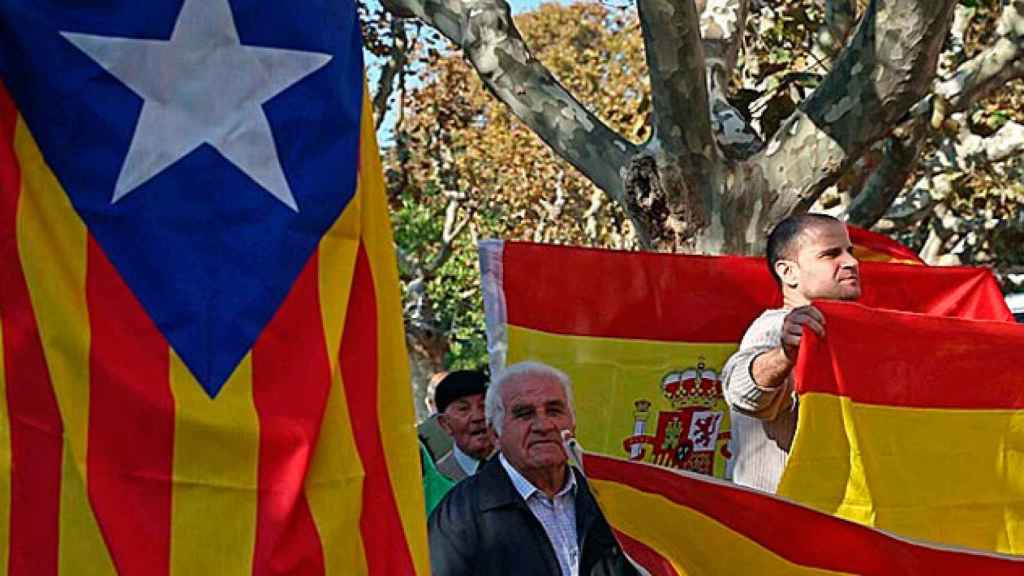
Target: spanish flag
{"type": "Point", "coordinates": [674, 523]}
{"type": "Point", "coordinates": [644, 336]}
{"type": "Point", "coordinates": [203, 366]}
{"type": "Point", "coordinates": [913, 424]}
{"type": "Point", "coordinates": [871, 246]}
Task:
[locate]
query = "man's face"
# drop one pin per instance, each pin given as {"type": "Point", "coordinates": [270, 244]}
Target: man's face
{"type": "Point", "coordinates": [536, 412]}
{"type": "Point", "coordinates": [464, 421]}
{"type": "Point", "coordinates": [825, 268]}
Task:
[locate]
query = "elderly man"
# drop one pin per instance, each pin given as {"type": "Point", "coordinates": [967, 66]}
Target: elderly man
{"type": "Point", "coordinates": [459, 398]}
{"type": "Point", "coordinates": [811, 258]}
{"type": "Point", "coordinates": [527, 511]}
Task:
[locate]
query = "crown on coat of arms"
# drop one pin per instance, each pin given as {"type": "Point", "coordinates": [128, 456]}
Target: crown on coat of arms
{"type": "Point", "coordinates": [694, 387]}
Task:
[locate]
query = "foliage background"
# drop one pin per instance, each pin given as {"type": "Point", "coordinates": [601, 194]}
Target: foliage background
{"type": "Point", "coordinates": [461, 167]}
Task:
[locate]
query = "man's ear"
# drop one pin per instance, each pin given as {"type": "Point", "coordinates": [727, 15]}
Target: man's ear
{"type": "Point", "coordinates": [787, 271]}
{"type": "Point", "coordinates": [442, 421]}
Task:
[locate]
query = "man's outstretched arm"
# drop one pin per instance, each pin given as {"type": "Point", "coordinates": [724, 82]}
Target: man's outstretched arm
{"type": "Point", "coordinates": [755, 377]}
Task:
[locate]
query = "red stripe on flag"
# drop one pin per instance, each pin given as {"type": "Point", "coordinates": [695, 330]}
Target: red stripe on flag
{"type": "Point", "coordinates": [37, 433]}
{"type": "Point", "coordinates": [809, 538]}
{"type": "Point", "coordinates": [678, 298]}
{"type": "Point", "coordinates": [131, 423]}
{"type": "Point", "coordinates": [641, 295]}
{"type": "Point", "coordinates": [875, 357]}
{"type": "Point", "coordinates": [645, 556]}
{"type": "Point", "coordinates": [387, 551]}
{"type": "Point", "coordinates": [291, 379]}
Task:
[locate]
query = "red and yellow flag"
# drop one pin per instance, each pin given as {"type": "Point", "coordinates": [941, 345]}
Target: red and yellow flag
{"type": "Point", "coordinates": [203, 366]}
{"type": "Point", "coordinates": [674, 523]}
{"type": "Point", "coordinates": [871, 246]}
{"type": "Point", "coordinates": [913, 424]}
{"type": "Point", "coordinates": [643, 336]}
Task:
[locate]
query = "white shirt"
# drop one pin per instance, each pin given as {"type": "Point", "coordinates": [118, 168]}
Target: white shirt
{"type": "Point", "coordinates": [762, 420]}
{"type": "Point", "coordinates": [468, 464]}
{"type": "Point", "coordinates": [557, 515]}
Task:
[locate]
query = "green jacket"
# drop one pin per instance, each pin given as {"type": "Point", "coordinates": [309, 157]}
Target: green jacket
{"type": "Point", "coordinates": [435, 485]}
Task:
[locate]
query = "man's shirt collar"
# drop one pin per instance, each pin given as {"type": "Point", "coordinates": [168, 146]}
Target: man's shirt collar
{"type": "Point", "coordinates": [468, 464]}
{"type": "Point", "coordinates": [526, 489]}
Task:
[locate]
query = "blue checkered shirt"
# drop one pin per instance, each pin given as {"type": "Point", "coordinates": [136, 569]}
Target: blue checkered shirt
{"type": "Point", "coordinates": [557, 515]}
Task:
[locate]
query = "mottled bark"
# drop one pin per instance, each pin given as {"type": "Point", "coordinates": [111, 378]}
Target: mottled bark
{"type": "Point", "coordinates": [840, 18]}
{"type": "Point", "coordinates": [484, 30]}
{"type": "Point", "coordinates": [968, 151]}
{"type": "Point", "coordinates": [994, 67]}
{"type": "Point", "coordinates": [682, 146]}
{"type": "Point", "coordinates": [721, 26]}
{"type": "Point", "coordinates": [956, 49]}
{"type": "Point", "coordinates": [705, 182]}
{"type": "Point", "coordinates": [928, 201]}
{"type": "Point", "coordinates": [722, 23]}
{"type": "Point", "coordinates": [899, 159]}
{"type": "Point", "coordinates": [970, 82]}
{"type": "Point", "coordinates": [887, 67]}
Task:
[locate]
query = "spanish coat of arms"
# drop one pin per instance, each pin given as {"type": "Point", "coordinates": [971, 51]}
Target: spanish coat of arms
{"type": "Point", "coordinates": [693, 432]}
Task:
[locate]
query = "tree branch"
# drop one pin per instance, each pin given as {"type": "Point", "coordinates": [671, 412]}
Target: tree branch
{"type": "Point", "coordinates": [675, 184]}
{"type": "Point", "coordinates": [484, 30]}
{"type": "Point", "coordinates": [840, 17]}
{"type": "Point", "coordinates": [993, 67]}
{"type": "Point", "coordinates": [954, 158]}
{"type": "Point", "coordinates": [968, 151]}
{"type": "Point", "coordinates": [721, 24]}
{"type": "Point", "coordinates": [899, 159]}
{"type": "Point", "coordinates": [397, 59]}
{"type": "Point", "coordinates": [450, 231]}
{"type": "Point", "coordinates": [679, 98]}
{"type": "Point", "coordinates": [956, 51]}
{"type": "Point", "coordinates": [939, 235]}
{"type": "Point", "coordinates": [970, 82]}
{"type": "Point", "coordinates": [886, 68]}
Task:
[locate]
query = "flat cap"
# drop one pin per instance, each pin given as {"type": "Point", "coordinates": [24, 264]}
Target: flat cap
{"type": "Point", "coordinates": [458, 384]}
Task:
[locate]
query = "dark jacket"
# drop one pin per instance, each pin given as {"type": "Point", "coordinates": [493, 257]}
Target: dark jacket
{"type": "Point", "coordinates": [483, 526]}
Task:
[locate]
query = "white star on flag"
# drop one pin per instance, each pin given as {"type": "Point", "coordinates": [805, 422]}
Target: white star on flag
{"type": "Point", "coordinates": [201, 87]}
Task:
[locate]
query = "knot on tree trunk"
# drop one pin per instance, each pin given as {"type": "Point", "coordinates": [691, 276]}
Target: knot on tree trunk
{"type": "Point", "coordinates": [658, 199]}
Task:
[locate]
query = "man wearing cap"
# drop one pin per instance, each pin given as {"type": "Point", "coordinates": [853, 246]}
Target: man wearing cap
{"type": "Point", "coordinates": [527, 512]}
{"type": "Point", "coordinates": [460, 407]}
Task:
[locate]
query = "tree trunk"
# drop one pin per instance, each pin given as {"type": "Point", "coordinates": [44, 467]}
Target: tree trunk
{"type": "Point", "coordinates": [706, 182]}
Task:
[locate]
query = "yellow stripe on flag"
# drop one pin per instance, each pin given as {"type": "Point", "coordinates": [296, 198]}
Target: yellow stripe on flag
{"type": "Point", "coordinates": [395, 410]}
{"type": "Point", "coordinates": [863, 254]}
{"type": "Point", "coordinates": [334, 484]}
{"type": "Point", "coordinates": [5, 464]}
{"type": "Point", "coordinates": [627, 370]}
{"type": "Point", "coordinates": [52, 242]}
{"type": "Point", "coordinates": [334, 488]}
{"type": "Point", "coordinates": [216, 455]}
{"type": "Point", "coordinates": [337, 261]}
{"type": "Point", "coordinates": [692, 542]}
{"type": "Point", "coordinates": [896, 455]}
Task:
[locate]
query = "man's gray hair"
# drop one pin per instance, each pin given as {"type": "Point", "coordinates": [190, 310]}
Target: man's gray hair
{"type": "Point", "coordinates": [494, 406]}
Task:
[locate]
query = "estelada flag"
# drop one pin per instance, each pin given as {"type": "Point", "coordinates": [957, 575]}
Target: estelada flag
{"type": "Point", "coordinates": [913, 424]}
{"type": "Point", "coordinates": [203, 366]}
{"type": "Point", "coordinates": [643, 336]}
{"type": "Point", "coordinates": [673, 523]}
